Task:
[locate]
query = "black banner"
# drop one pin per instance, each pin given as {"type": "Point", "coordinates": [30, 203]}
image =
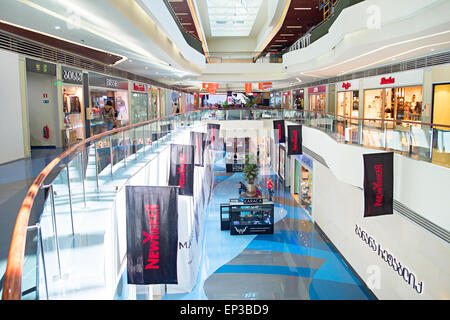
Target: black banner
{"type": "Point", "coordinates": [213, 136]}
{"type": "Point", "coordinates": [378, 184]}
{"type": "Point", "coordinates": [198, 141]}
{"type": "Point", "coordinates": [182, 168]}
{"type": "Point", "coordinates": [279, 133]}
{"type": "Point", "coordinates": [152, 234]}
{"type": "Point", "coordinates": [294, 140]}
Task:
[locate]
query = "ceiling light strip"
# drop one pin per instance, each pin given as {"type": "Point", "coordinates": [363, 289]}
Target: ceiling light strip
{"type": "Point", "coordinates": [197, 27]}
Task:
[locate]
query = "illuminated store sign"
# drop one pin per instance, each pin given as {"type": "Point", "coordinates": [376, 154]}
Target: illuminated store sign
{"type": "Point", "coordinates": [346, 85]}
{"type": "Point", "coordinates": [392, 261]}
{"type": "Point", "coordinates": [73, 76]}
{"type": "Point", "coordinates": [389, 80]}
{"type": "Point", "coordinates": [252, 200]}
{"type": "Point", "coordinates": [140, 87]}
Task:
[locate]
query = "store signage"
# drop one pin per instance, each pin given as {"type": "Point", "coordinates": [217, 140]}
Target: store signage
{"type": "Point", "coordinates": [389, 80]}
{"type": "Point", "coordinates": [264, 85]}
{"type": "Point", "coordinates": [304, 159]}
{"type": "Point", "coordinates": [398, 79]}
{"type": "Point", "coordinates": [286, 93]}
{"type": "Point", "coordinates": [152, 234]}
{"type": "Point", "coordinates": [73, 76]}
{"type": "Point", "coordinates": [252, 200]}
{"type": "Point", "coordinates": [378, 184]}
{"type": "Point", "coordinates": [40, 67]}
{"type": "Point", "coordinates": [248, 88]}
{"type": "Point", "coordinates": [112, 83]}
{"type": "Point", "coordinates": [346, 85]}
{"type": "Point", "coordinates": [319, 89]}
{"type": "Point", "coordinates": [392, 261]}
{"type": "Point", "coordinates": [139, 87]}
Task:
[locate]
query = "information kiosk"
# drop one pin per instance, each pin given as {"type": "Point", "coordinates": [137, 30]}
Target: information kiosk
{"type": "Point", "coordinates": [247, 216]}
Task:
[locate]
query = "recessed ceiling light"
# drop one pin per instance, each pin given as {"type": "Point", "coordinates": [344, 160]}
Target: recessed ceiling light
{"type": "Point", "coordinates": [286, 34]}
{"type": "Point", "coordinates": [294, 27]}
{"type": "Point", "coordinates": [131, 60]}
{"type": "Point", "coordinates": [146, 68]}
{"type": "Point", "coordinates": [302, 8]}
{"type": "Point", "coordinates": [280, 40]}
{"type": "Point", "coordinates": [57, 27]}
{"type": "Point", "coordinates": [432, 49]}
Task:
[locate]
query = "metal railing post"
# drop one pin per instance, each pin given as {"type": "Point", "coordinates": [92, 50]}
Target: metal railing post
{"type": "Point", "coordinates": [111, 155]}
{"type": "Point", "coordinates": [37, 226]}
{"type": "Point", "coordinates": [385, 135]}
{"type": "Point", "coordinates": [55, 229]}
{"type": "Point", "coordinates": [124, 149]}
{"type": "Point", "coordinates": [83, 174]}
{"type": "Point", "coordinates": [144, 142]}
{"type": "Point", "coordinates": [96, 164]}
{"type": "Point", "coordinates": [70, 198]}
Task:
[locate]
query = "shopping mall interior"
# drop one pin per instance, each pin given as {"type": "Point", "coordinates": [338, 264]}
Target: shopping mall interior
{"type": "Point", "coordinates": [249, 150]}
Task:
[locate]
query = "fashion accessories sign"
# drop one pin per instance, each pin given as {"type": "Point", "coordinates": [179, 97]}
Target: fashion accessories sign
{"type": "Point", "coordinates": [152, 234]}
{"type": "Point", "coordinates": [378, 184]}
{"type": "Point", "coordinates": [294, 140]}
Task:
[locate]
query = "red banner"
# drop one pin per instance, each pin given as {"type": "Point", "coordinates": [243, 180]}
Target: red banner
{"type": "Point", "coordinates": [264, 85]}
{"type": "Point", "coordinates": [248, 88]}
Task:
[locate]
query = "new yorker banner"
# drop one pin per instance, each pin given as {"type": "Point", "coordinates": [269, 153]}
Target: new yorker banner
{"type": "Point", "coordinates": [279, 133]}
{"type": "Point", "coordinates": [213, 135]}
{"type": "Point", "coordinates": [198, 141]}
{"type": "Point", "coordinates": [294, 140]}
{"type": "Point", "coordinates": [152, 234]}
{"type": "Point", "coordinates": [181, 172]}
{"type": "Point", "coordinates": [378, 184]}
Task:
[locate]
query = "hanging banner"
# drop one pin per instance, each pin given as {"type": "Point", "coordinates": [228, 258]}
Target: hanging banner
{"type": "Point", "coordinates": [378, 184]}
{"type": "Point", "coordinates": [213, 136]}
{"type": "Point", "coordinates": [182, 168]}
{"type": "Point", "coordinates": [294, 140]}
{"type": "Point", "coordinates": [279, 133]}
{"type": "Point", "coordinates": [264, 85]}
{"type": "Point", "coordinates": [198, 141]}
{"type": "Point", "coordinates": [152, 234]}
{"type": "Point", "coordinates": [248, 88]}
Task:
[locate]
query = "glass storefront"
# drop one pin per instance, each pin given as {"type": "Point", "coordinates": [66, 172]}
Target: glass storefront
{"type": "Point", "coordinates": [317, 102]}
{"type": "Point", "coordinates": [299, 99]}
{"type": "Point", "coordinates": [119, 100]}
{"type": "Point", "coordinates": [306, 190]}
{"type": "Point", "coordinates": [403, 103]}
{"type": "Point", "coordinates": [286, 102]}
{"type": "Point", "coordinates": [138, 104]}
{"type": "Point", "coordinates": [154, 105]}
{"type": "Point", "coordinates": [73, 112]}
{"type": "Point", "coordinates": [348, 104]}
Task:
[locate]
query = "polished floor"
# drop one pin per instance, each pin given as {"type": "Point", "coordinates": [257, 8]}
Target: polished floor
{"type": "Point", "coordinates": [296, 262]}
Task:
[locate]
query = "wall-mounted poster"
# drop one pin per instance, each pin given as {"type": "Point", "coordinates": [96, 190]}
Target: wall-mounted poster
{"type": "Point", "coordinates": [282, 158]}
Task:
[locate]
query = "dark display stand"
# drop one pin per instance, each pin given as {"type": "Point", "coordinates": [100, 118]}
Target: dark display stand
{"type": "Point", "coordinates": [241, 219]}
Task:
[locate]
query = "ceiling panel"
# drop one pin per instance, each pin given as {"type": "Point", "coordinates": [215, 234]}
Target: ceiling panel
{"type": "Point", "coordinates": [301, 16]}
{"type": "Point", "coordinates": [181, 9]}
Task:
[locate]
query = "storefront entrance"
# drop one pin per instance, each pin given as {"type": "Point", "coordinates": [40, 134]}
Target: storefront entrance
{"type": "Point", "coordinates": [119, 100]}
{"type": "Point", "coordinates": [306, 190]}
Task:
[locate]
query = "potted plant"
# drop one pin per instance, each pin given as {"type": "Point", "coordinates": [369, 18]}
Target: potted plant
{"type": "Point", "coordinates": [250, 171]}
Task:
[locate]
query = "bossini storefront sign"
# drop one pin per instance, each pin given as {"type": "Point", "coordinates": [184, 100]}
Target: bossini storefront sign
{"type": "Point", "coordinates": [392, 261]}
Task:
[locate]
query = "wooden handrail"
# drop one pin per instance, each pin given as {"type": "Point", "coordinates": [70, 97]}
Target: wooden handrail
{"type": "Point", "coordinates": [12, 287]}
{"type": "Point", "coordinates": [13, 275]}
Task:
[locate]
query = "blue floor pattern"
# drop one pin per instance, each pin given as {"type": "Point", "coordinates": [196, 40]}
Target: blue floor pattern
{"type": "Point", "coordinates": [295, 262]}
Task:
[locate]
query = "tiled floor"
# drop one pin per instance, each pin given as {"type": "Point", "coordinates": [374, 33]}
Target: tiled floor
{"type": "Point", "coordinates": [295, 262]}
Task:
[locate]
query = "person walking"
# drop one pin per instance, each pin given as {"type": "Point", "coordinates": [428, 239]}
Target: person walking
{"type": "Point", "coordinates": [109, 115]}
{"type": "Point", "coordinates": [270, 189]}
{"type": "Point", "coordinates": [258, 191]}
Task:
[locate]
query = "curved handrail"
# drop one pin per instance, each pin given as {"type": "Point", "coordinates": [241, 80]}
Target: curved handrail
{"type": "Point", "coordinates": [13, 275]}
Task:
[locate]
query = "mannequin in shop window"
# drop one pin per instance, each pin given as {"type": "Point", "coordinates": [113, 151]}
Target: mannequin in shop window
{"type": "Point", "coordinates": [109, 115]}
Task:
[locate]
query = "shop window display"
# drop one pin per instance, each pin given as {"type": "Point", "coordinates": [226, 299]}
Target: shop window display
{"type": "Point", "coordinates": [139, 107]}
{"type": "Point", "coordinates": [306, 190]}
{"type": "Point", "coordinates": [72, 107]}
{"type": "Point", "coordinates": [317, 102]}
{"type": "Point", "coordinates": [393, 104]}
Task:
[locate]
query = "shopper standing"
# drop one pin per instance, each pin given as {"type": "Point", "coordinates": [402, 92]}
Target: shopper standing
{"type": "Point", "coordinates": [109, 115]}
{"type": "Point", "coordinates": [242, 188]}
{"type": "Point", "coordinates": [270, 189]}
